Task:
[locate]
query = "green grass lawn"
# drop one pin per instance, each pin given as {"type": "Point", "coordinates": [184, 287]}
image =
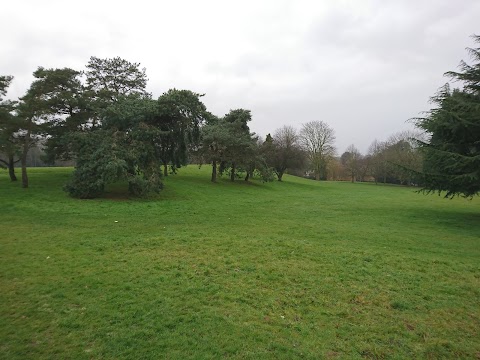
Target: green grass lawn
{"type": "Point", "coordinates": [299, 269]}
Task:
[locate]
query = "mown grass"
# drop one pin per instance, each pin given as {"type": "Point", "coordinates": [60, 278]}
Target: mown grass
{"type": "Point", "coordinates": [299, 269]}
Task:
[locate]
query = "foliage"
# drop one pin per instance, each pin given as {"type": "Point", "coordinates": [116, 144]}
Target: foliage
{"type": "Point", "coordinates": [100, 161]}
{"type": "Point", "coordinates": [404, 158]}
{"type": "Point", "coordinates": [378, 162]}
{"type": "Point", "coordinates": [110, 79]}
{"type": "Point", "coordinates": [397, 160]}
{"type": "Point", "coordinates": [452, 154]}
{"type": "Point", "coordinates": [9, 126]}
{"type": "Point", "coordinates": [229, 146]}
{"type": "Point", "coordinates": [240, 151]}
{"type": "Point", "coordinates": [216, 138]}
{"type": "Point", "coordinates": [283, 151]}
{"type": "Point", "coordinates": [32, 112]}
{"type": "Point", "coordinates": [73, 105]}
{"type": "Point", "coordinates": [351, 160]}
{"type": "Point", "coordinates": [64, 109]}
{"type": "Point", "coordinates": [123, 149]}
{"type": "Point", "coordinates": [180, 113]}
{"type": "Point", "coordinates": [5, 81]}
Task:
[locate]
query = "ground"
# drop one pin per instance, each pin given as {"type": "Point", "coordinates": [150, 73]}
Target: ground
{"type": "Point", "coordinates": [298, 269]}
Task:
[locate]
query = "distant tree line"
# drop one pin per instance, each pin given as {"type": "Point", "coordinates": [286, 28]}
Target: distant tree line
{"type": "Point", "coordinates": [103, 120]}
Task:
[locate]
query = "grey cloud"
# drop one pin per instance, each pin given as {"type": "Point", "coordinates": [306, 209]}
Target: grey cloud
{"type": "Point", "coordinates": [365, 67]}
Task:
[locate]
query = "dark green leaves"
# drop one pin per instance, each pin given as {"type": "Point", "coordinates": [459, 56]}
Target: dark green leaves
{"type": "Point", "coordinates": [452, 156]}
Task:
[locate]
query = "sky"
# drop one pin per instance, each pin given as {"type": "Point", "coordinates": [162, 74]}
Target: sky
{"type": "Point", "coordinates": [365, 67]}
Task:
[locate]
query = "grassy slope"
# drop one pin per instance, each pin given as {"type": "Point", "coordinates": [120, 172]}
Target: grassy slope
{"type": "Point", "coordinates": [279, 270]}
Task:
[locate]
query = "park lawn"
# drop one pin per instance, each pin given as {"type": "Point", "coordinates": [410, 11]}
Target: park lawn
{"type": "Point", "coordinates": [298, 269]}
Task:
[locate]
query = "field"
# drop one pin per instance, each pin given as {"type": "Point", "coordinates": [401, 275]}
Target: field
{"type": "Point", "coordinates": [298, 269]}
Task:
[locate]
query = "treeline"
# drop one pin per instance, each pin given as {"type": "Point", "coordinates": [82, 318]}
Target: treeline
{"type": "Point", "coordinates": [397, 160]}
{"type": "Point", "coordinates": [103, 119]}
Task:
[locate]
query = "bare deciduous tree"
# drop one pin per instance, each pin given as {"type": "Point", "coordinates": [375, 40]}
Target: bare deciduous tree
{"type": "Point", "coordinates": [403, 155]}
{"type": "Point", "coordinates": [284, 152]}
{"type": "Point", "coordinates": [317, 139]}
{"type": "Point", "coordinates": [378, 163]}
{"type": "Point", "coordinates": [351, 160]}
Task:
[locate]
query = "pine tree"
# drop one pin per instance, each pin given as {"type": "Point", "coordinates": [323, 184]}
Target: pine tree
{"type": "Point", "coordinates": [452, 155]}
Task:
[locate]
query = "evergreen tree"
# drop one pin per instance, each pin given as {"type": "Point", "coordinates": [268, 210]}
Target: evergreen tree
{"type": "Point", "coordinates": [9, 126]}
{"type": "Point", "coordinates": [452, 155]}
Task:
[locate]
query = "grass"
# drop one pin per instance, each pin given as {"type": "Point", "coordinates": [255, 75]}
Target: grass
{"type": "Point", "coordinates": [299, 269]}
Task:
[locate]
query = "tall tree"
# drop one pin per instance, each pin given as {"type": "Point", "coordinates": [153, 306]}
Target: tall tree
{"type": "Point", "coordinates": [318, 140]}
{"type": "Point", "coordinates": [241, 149]}
{"type": "Point", "coordinates": [64, 107]}
{"type": "Point", "coordinates": [217, 136]}
{"type": "Point", "coordinates": [452, 154]}
{"type": "Point", "coordinates": [180, 113]}
{"type": "Point", "coordinates": [77, 106]}
{"type": "Point", "coordinates": [9, 126]}
{"type": "Point", "coordinates": [378, 161]}
{"type": "Point", "coordinates": [404, 158]}
{"type": "Point", "coordinates": [5, 82]}
{"type": "Point", "coordinates": [283, 151]}
{"type": "Point", "coordinates": [351, 160]}
{"type": "Point", "coordinates": [124, 148]}
{"type": "Point", "coordinates": [32, 114]}
{"type": "Point", "coordinates": [109, 79]}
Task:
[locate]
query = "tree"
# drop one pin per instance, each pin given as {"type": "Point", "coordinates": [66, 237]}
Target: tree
{"type": "Point", "coordinates": [228, 145]}
{"type": "Point", "coordinates": [403, 157]}
{"type": "Point", "coordinates": [215, 139]}
{"type": "Point", "coordinates": [32, 112]}
{"type": "Point", "coordinates": [283, 151]}
{"type": "Point", "coordinates": [241, 149]}
{"type": "Point", "coordinates": [26, 136]}
{"type": "Point", "coordinates": [318, 139]}
{"type": "Point", "coordinates": [364, 167]}
{"type": "Point", "coordinates": [5, 81]}
{"type": "Point", "coordinates": [73, 105]}
{"type": "Point", "coordinates": [351, 160]}
{"type": "Point", "coordinates": [379, 165]}
{"type": "Point", "coordinates": [108, 79]}
{"type": "Point", "coordinates": [64, 106]}
{"type": "Point", "coordinates": [180, 113]}
{"type": "Point", "coordinates": [8, 128]}
{"type": "Point", "coordinates": [452, 154]}
{"type": "Point", "coordinates": [124, 148]}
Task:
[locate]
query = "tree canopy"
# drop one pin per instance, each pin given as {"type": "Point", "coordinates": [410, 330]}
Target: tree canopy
{"type": "Point", "coordinates": [452, 154]}
{"type": "Point", "coordinates": [317, 139]}
{"type": "Point", "coordinates": [283, 151]}
{"type": "Point", "coordinates": [9, 126]}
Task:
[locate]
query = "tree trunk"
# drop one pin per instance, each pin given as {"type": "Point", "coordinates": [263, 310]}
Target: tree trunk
{"type": "Point", "coordinates": [247, 176]}
{"type": "Point", "coordinates": [317, 176]}
{"type": "Point", "coordinates": [165, 169]}
{"type": "Point", "coordinates": [24, 171]}
{"type": "Point", "coordinates": [26, 146]}
{"type": "Point", "coordinates": [11, 168]}
{"type": "Point", "coordinates": [280, 175]}
{"type": "Point", "coordinates": [214, 171]}
{"type": "Point", "coordinates": [232, 174]}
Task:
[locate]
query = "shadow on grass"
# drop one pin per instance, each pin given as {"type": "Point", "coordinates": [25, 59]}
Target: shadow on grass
{"type": "Point", "coordinates": [467, 221]}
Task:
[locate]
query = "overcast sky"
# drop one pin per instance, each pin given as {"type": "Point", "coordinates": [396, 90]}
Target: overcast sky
{"type": "Point", "coordinates": [364, 67]}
